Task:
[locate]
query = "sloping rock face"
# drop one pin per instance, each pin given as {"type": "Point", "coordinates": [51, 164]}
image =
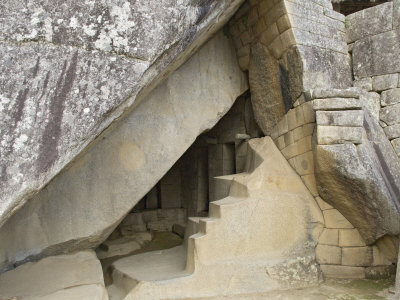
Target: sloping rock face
{"type": "Point", "coordinates": [84, 203]}
{"type": "Point", "coordinates": [68, 69]}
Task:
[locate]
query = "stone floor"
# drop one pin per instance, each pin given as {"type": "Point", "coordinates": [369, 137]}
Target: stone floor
{"type": "Point", "coordinates": [329, 290]}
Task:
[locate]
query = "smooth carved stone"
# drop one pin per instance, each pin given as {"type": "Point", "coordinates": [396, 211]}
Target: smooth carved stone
{"type": "Point", "coordinates": [334, 93]}
{"type": "Point", "coordinates": [68, 69]}
{"type": "Point", "coordinates": [340, 118]}
{"type": "Point", "coordinates": [328, 255]}
{"type": "Point", "coordinates": [328, 135]}
{"type": "Point", "coordinates": [81, 207]}
{"type": "Point", "coordinates": [336, 104]}
{"type": "Point", "coordinates": [350, 238]}
{"type": "Point", "coordinates": [357, 256]}
{"type": "Point", "coordinates": [73, 276]}
{"type": "Point", "coordinates": [362, 182]}
{"type": "Point", "coordinates": [343, 272]}
{"type": "Point", "coordinates": [377, 55]}
{"type": "Point", "coordinates": [370, 21]}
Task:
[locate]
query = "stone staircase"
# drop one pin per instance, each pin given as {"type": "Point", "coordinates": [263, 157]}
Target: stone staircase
{"type": "Point", "coordinates": [260, 237]}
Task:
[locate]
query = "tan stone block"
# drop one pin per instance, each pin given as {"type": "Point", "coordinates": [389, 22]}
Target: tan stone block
{"type": "Point", "coordinates": [276, 47]}
{"type": "Point", "coordinates": [283, 23]}
{"type": "Point", "coordinates": [265, 6]}
{"type": "Point", "coordinates": [243, 51]}
{"type": "Point", "coordinates": [328, 135]}
{"type": "Point", "coordinates": [288, 136]}
{"type": "Point", "coordinates": [280, 142]}
{"type": "Point", "coordinates": [275, 12]}
{"type": "Point", "coordinates": [298, 133]}
{"type": "Point", "coordinates": [259, 27]}
{"type": "Point", "coordinates": [322, 204]}
{"type": "Point", "coordinates": [288, 39]}
{"type": "Point", "coordinates": [329, 237]}
{"type": "Point", "coordinates": [357, 256]}
{"type": "Point", "coordinates": [343, 272]}
{"type": "Point", "coordinates": [233, 29]}
{"type": "Point", "coordinates": [244, 62]}
{"type": "Point", "coordinates": [269, 35]}
{"type": "Point", "coordinates": [283, 125]}
{"type": "Point", "coordinates": [308, 112]}
{"type": "Point", "coordinates": [252, 17]}
{"type": "Point", "coordinates": [246, 37]}
{"type": "Point", "coordinates": [309, 181]}
{"type": "Point", "coordinates": [304, 163]}
{"type": "Point", "coordinates": [308, 128]}
{"type": "Point", "coordinates": [328, 255]}
{"type": "Point", "coordinates": [290, 151]}
{"type": "Point", "coordinates": [304, 145]}
{"type": "Point", "coordinates": [350, 238]}
{"type": "Point", "coordinates": [379, 258]}
{"type": "Point", "coordinates": [254, 2]}
{"type": "Point", "coordinates": [295, 118]}
{"type": "Point", "coordinates": [334, 219]}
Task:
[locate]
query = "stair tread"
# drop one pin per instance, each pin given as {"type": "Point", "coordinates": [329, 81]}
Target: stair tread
{"type": "Point", "coordinates": [155, 265]}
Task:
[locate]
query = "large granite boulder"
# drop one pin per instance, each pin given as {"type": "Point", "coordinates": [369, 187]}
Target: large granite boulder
{"type": "Point", "coordinates": [362, 180]}
{"type": "Point", "coordinates": [69, 68]}
{"type": "Point", "coordinates": [85, 202]}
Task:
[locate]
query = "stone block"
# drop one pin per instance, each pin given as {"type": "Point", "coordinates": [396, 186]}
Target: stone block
{"type": "Point", "coordinates": [379, 257]}
{"type": "Point", "coordinates": [277, 47]}
{"type": "Point", "coordinates": [390, 114]}
{"type": "Point", "coordinates": [385, 82]}
{"type": "Point", "coordinates": [334, 219]}
{"type": "Point", "coordinates": [329, 237]}
{"type": "Point", "coordinates": [370, 21]}
{"type": "Point", "coordinates": [380, 272]}
{"type": "Point", "coordinates": [298, 133]}
{"type": "Point", "coordinates": [377, 55]}
{"type": "Point", "coordinates": [283, 125]}
{"type": "Point", "coordinates": [244, 62]}
{"type": "Point", "coordinates": [265, 6]}
{"type": "Point", "coordinates": [328, 135]}
{"type": "Point", "coordinates": [304, 163]}
{"type": "Point", "coordinates": [288, 137]}
{"type": "Point", "coordinates": [334, 93]}
{"type": "Point", "coordinates": [364, 83]}
{"type": "Point", "coordinates": [350, 238]}
{"type": "Point", "coordinates": [280, 142]}
{"type": "Point", "coordinates": [396, 146]}
{"type": "Point", "coordinates": [396, 21]}
{"type": "Point", "coordinates": [295, 118]}
{"type": "Point", "coordinates": [308, 112]}
{"type": "Point", "coordinates": [259, 27]}
{"type": "Point", "coordinates": [269, 35]}
{"type": "Point", "coordinates": [328, 255]}
{"type": "Point", "coordinates": [343, 272]}
{"type": "Point", "coordinates": [390, 97]}
{"type": "Point", "coordinates": [357, 256]}
{"type": "Point", "coordinates": [283, 23]}
{"type": "Point", "coordinates": [371, 102]}
{"type": "Point", "coordinates": [322, 204]}
{"type": "Point", "coordinates": [309, 129]}
{"type": "Point", "coordinates": [340, 118]}
{"type": "Point", "coordinates": [336, 104]}
{"type": "Point", "coordinates": [309, 181]}
{"type": "Point", "coordinates": [393, 131]}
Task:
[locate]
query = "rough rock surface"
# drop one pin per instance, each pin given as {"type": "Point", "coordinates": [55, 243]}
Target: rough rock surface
{"type": "Point", "coordinates": [76, 276]}
{"type": "Point", "coordinates": [362, 182]}
{"type": "Point", "coordinates": [83, 204]}
{"type": "Point", "coordinates": [68, 69]}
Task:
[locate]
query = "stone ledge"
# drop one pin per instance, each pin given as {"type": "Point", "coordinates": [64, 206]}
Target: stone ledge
{"type": "Point", "coordinates": [328, 135]}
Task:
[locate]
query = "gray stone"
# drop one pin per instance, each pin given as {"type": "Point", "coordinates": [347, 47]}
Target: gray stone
{"type": "Point", "coordinates": [364, 83]}
{"type": "Point", "coordinates": [328, 135]}
{"type": "Point", "coordinates": [396, 14]}
{"type": "Point", "coordinates": [392, 132]}
{"type": "Point", "coordinates": [84, 203]}
{"type": "Point", "coordinates": [68, 69]}
{"type": "Point", "coordinates": [56, 277]}
{"type": "Point", "coordinates": [335, 93]}
{"type": "Point", "coordinates": [274, 88]}
{"type": "Point", "coordinates": [377, 55]}
{"type": "Point", "coordinates": [396, 145]}
{"type": "Point", "coordinates": [390, 114]}
{"type": "Point", "coordinates": [371, 102]}
{"type": "Point", "coordinates": [398, 276]}
{"type": "Point", "coordinates": [340, 118]}
{"type": "Point", "coordinates": [390, 97]}
{"type": "Point", "coordinates": [363, 182]}
{"type": "Point", "coordinates": [385, 82]}
{"type": "Point", "coordinates": [336, 104]}
{"type": "Point", "coordinates": [370, 21]}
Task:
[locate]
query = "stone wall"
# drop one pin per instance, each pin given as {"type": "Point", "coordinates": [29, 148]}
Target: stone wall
{"type": "Point", "coordinates": [374, 42]}
{"type": "Point", "coordinates": [288, 47]}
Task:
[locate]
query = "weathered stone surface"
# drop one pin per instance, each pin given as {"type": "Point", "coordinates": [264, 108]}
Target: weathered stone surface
{"type": "Point", "coordinates": [350, 238]}
{"type": "Point", "coordinates": [83, 204]}
{"type": "Point", "coordinates": [369, 22]}
{"type": "Point", "coordinates": [74, 276]}
{"type": "Point", "coordinates": [328, 255]}
{"type": "Point", "coordinates": [362, 182]}
{"type": "Point", "coordinates": [334, 219]}
{"type": "Point", "coordinates": [364, 83]}
{"type": "Point", "coordinates": [336, 104]}
{"type": "Point", "coordinates": [385, 82]}
{"type": "Point", "coordinates": [68, 69]}
{"type": "Point", "coordinates": [391, 114]}
{"type": "Point", "coordinates": [396, 146]}
{"type": "Point", "coordinates": [357, 256]}
{"type": "Point", "coordinates": [334, 93]}
{"type": "Point", "coordinates": [329, 237]}
{"type": "Point", "coordinates": [328, 135]}
{"type": "Point", "coordinates": [343, 272]}
{"type": "Point", "coordinates": [398, 276]}
{"type": "Point", "coordinates": [393, 131]}
{"type": "Point", "coordinates": [390, 97]}
{"type": "Point", "coordinates": [340, 118]}
{"type": "Point", "coordinates": [371, 102]}
{"type": "Point", "coordinates": [377, 55]}
{"type": "Point", "coordinates": [274, 87]}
